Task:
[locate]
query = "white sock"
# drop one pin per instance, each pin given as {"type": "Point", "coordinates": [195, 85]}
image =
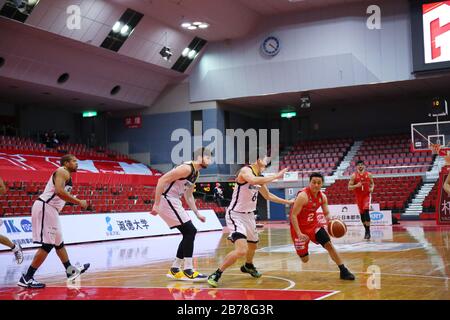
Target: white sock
{"type": "Point", "coordinates": [188, 263]}
{"type": "Point", "coordinates": [177, 263]}
{"type": "Point", "coordinates": [15, 249]}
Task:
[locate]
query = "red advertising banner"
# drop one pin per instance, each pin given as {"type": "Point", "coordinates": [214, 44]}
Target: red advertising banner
{"type": "Point", "coordinates": [133, 122]}
{"type": "Point", "coordinates": [443, 205]}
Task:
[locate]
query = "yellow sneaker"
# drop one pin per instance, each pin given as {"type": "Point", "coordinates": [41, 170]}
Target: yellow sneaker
{"type": "Point", "coordinates": [175, 274]}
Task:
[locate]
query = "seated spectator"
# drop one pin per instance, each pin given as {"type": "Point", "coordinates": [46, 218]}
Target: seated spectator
{"type": "Point", "coordinates": [47, 141]}
{"type": "Point", "coordinates": [54, 140]}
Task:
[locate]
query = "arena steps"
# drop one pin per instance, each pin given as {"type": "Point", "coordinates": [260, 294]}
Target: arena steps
{"type": "Point", "coordinates": [415, 207]}
{"type": "Point", "coordinates": [347, 159]}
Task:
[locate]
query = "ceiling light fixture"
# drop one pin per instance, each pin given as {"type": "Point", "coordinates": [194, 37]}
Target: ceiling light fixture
{"type": "Point", "coordinates": [124, 30]}
{"type": "Point", "coordinates": [117, 26]}
{"type": "Point", "coordinates": [185, 52]}
{"type": "Point", "coordinates": [192, 54]}
{"type": "Point", "coordinates": [194, 25]}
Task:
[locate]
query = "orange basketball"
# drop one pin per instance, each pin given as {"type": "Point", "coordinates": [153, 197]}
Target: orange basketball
{"type": "Point", "coordinates": [337, 228]}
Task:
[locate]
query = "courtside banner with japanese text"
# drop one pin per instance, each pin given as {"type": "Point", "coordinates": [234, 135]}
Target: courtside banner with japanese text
{"type": "Point", "coordinates": [82, 228]}
{"type": "Point", "coordinates": [110, 254]}
{"type": "Point", "coordinates": [349, 213]}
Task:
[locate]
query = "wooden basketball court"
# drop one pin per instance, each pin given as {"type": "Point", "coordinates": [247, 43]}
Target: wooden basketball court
{"type": "Point", "coordinates": [408, 261]}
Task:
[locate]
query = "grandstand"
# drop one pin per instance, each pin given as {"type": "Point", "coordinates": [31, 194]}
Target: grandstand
{"type": "Point", "coordinates": [134, 88]}
{"type": "Point", "coordinates": [387, 156]}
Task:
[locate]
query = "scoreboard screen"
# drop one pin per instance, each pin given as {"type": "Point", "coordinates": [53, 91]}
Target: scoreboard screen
{"type": "Point", "coordinates": [430, 26]}
{"type": "Point", "coordinates": [207, 189]}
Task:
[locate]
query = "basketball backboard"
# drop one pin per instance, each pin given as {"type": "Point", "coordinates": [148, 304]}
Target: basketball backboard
{"type": "Point", "coordinates": [423, 135]}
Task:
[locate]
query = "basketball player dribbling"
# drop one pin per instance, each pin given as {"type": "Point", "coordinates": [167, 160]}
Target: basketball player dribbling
{"type": "Point", "coordinates": [15, 248]}
{"type": "Point", "coordinates": [361, 182]}
{"type": "Point", "coordinates": [46, 225]}
{"type": "Point", "coordinates": [240, 216]}
{"type": "Point", "coordinates": [176, 183]}
{"type": "Point", "coordinates": [306, 226]}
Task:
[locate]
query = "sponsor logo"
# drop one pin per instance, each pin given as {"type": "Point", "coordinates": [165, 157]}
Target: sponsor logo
{"type": "Point", "coordinates": [109, 228]}
{"type": "Point", "coordinates": [26, 225]}
{"type": "Point", "coordinates": [10, 227]}
{"type": "Point", "coordinates": [376, 216]}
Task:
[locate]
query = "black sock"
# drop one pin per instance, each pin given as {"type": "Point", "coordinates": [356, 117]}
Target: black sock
{"type": "Point", "coordinates": [367, 228]}
{"type": "Point", "coordinates": [30, 273]}
{"type": "Point", "coordinates": [249, 265]}
{"type": "Point", "coordinates": [342, 267]}
{"type": "Point", "coordinates": [67, 264]}
{"type": "Point", "coordinates": [219, 272]}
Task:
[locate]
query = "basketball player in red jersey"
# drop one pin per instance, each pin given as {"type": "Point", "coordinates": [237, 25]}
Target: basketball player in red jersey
{"type": "Point", "coordinates": [306, 225]}
{"type": "Point", "coordinates": [361, 182]}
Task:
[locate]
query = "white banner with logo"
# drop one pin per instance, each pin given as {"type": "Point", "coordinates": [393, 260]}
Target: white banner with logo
{"type": "Point", "coordinates": [108, 255]}
{"type": "Point", "coordinates": [349, 213]}
{"type": "Point", "coordinates": [100, 227]}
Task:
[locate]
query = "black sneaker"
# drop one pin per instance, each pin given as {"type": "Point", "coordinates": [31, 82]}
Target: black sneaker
{"type": "Point", "coordinates": [213, 279]}
{"type": "Point", "coordinates": [252, 270]}
{"type": "Point", "coordinates": [367, 236]}
{"type": "Point", "coordinates": [347, 275]}
{"type": "Point", "coordinates": [31, 283]}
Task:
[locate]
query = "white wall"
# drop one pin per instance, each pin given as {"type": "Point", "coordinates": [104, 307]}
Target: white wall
{"type": "Point", "coordinates": [325, 48]}
{"type": "Point", "coordinates": [176, 98]}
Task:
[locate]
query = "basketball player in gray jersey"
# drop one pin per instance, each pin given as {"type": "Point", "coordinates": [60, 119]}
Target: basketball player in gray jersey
{"type": "Point", "coordinates": [240, 215]}
{"type": "Point", "coordinates": [46, 225]}
{"type": "Point", "coordinates": [176, 183]}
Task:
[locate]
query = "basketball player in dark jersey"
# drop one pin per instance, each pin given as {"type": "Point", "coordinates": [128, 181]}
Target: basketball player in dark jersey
{"type": "Point", "coordinates": [15, 248]}
{"type": "Point", "coordinates": [46, 225]}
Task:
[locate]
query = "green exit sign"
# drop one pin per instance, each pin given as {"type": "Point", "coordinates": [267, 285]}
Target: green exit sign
{"type": "Point", "coordinates": [288, 115]}
{"type": "Point", "coordinates": [89, 114]}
